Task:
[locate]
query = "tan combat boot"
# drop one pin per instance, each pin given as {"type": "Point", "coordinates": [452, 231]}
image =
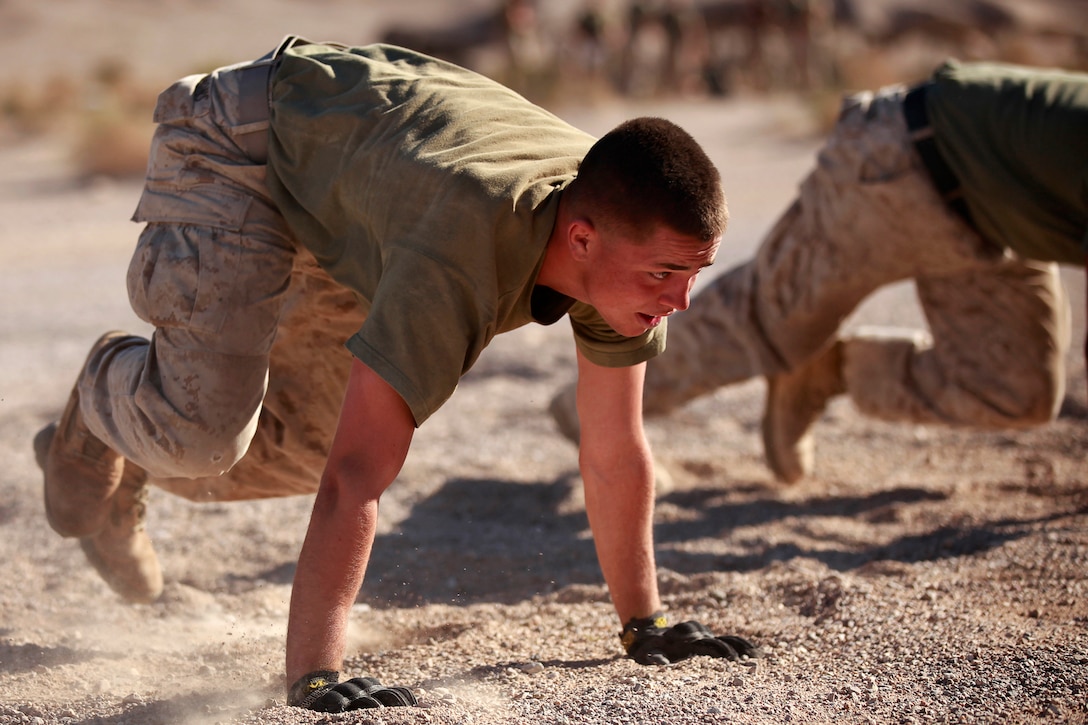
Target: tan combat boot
{"type": "Point", "coordinates": [91, 492]}
{"type": "Point", "coordinates": [794, 401]}
{"type": "Point", "coordinates": [81, 472]}
{"type": "Point", "coordinates": [121, 551]}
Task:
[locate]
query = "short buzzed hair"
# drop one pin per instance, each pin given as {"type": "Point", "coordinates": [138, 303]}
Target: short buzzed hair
{"type": "Point", "coordinates": [647, 172]}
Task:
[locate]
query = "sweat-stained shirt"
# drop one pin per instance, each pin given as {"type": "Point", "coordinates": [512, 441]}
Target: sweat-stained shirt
{"type": "Point", "coordinates": [431, 191]}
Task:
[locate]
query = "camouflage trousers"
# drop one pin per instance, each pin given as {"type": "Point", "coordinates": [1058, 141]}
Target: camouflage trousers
{"type": "Point", "coordinates": [237, 393]}
{"type": "Point", "coordinates": [868, 216]}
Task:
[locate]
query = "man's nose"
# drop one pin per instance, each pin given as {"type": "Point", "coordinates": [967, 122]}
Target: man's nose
{"type": "Point", "coordinates": [679, 297]}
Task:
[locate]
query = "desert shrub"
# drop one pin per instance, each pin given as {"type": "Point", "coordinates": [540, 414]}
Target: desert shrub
{"type": "Point", "coordinates": [38, 108]}
{"type": "Point", "coordinates": [111, 143]}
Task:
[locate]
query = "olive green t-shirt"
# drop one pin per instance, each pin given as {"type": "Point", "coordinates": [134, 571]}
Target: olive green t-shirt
{"type": "Point", "coordinates": [431, 192]}
{"type": "Point", "coordinates": [1017, 138]}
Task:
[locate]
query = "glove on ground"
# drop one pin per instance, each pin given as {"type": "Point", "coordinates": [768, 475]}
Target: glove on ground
{"type": "Point", "coordinates": [651, 641]}
{"type": "Point", "coordinates": [320, 691]}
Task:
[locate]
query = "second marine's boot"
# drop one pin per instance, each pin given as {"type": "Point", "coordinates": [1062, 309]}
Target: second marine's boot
{"type": "Point", "coordinates": [794, 401]}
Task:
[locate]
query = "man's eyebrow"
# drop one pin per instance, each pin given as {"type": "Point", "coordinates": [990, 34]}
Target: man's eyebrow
{"type": "Point", "coordinates": [684, 267]}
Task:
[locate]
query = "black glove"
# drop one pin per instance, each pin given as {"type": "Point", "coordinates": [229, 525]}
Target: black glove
{"type": "Point", "coordinates": [319, 691]}
{"type": "Point", "coordinates": [652, 641]}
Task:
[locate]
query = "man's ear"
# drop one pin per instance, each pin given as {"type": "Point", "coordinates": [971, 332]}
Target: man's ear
{"type": "Point", "coordinates": [581, 235]}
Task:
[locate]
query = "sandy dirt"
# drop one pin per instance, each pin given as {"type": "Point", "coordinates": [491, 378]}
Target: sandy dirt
{"type": "Point", "coordinates": [922, 575]}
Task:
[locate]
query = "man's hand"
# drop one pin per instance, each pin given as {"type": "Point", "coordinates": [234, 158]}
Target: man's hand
{"type": "Point", "coordinates": [651, 641]}
{"type": "Point", "coordinates": [320, 691]}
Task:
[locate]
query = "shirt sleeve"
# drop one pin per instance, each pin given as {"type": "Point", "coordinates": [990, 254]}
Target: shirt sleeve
{"type": "Point", "coordinates": [426, 327]}
{"type": "Point", "coordinates": [604, 346]}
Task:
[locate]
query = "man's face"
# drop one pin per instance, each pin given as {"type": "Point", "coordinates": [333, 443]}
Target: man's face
{"type": "Point", "coordinates": [635, 285]}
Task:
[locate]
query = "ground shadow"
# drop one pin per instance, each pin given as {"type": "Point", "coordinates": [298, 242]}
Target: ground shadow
{"type": "Point", "coordinates": [719, 518]}
{"type": "Point", "coordinates": [765, 507]}
{"type": "Point", "coordinates": [486, 540]}
{"type": "Point", "coordinates": [483, 540]}
{"type": "Point", "coordinates": [19, 658]}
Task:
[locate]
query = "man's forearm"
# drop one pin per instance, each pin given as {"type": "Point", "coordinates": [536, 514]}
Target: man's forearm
{"type": "Point", "coordinates": [327, 580]}
{"type": "Point", "coordinates": [367, 452]}
{"type": "Point", "coordinates": [619, 504]}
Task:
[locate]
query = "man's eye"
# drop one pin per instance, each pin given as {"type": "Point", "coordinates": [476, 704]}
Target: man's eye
{"type": "Point", "coordinates": [660, 275]}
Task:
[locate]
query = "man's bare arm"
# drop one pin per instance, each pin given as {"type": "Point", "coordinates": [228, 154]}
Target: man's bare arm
{"type": "Point", "coordinates": [617, 471]}
{"type": "Point", "coordinates": [368, 450]}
